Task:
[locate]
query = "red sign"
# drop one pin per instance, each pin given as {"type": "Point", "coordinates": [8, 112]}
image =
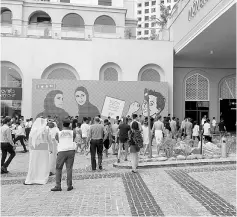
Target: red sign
{"type": "Point", "coordinates": [11, 93]}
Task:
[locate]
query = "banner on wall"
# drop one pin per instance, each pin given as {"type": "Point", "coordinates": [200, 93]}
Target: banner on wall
{"type": "Point", "coordinates": [11, 93]}
{"type": "Point", "coordinates": [63, 98]}
{"type": "Point", "coordinates": [112, 107]}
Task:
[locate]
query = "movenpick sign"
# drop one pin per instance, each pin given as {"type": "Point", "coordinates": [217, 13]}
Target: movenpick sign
{"type": "Point", "coordinates": [197, 5]}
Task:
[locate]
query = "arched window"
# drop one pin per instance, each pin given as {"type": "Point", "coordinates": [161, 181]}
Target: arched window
{"type": "Point", "coordinates": [73, 20]}
{"type": "Point", "coordinates": [150, 72]}
{"type": "Point", "coordinates": [6, 16]}
{"type": "Point", "coordinates": [150, 75]}
{"type": "Point", "coordinates": [228, 88]}
{"type": "Point", "coordinates": [40, 17]}
{"type": "Point", "coordinates": [110, 72]}
{"type": "Point", "coordinates": [10, 75]}
{"type": "Point", "coordinates": [105, 24]}
{"type": "Point", "coordinates": [196, 88]}
{"type": "Point", "coordinates": [60, 71]}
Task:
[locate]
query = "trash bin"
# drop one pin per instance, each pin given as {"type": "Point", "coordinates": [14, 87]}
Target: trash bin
{"type": "Point", "coordinates": [223, 147]}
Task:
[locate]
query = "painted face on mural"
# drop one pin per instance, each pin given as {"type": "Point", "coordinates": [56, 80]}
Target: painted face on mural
{"type": "Point", "coordinates": [80, 97]}
{"type": "Point", "coordinates": [153, 106]}
{"type": "Point", "coordinates": [58, 100]}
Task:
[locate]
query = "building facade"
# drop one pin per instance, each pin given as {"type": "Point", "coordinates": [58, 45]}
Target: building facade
{"type": "Point", "coordinates": [204, 36]}
{"type": "Point", "coordinates": [147, 12]}
{"type": "Point", "coordinates": [81, 40]}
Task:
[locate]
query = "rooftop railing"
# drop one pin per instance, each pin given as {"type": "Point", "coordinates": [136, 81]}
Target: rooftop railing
{"type": "Point", "coordinates": [84, 32]}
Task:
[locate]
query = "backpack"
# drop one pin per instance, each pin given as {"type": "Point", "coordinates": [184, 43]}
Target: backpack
{"type": "Point", "coordinates": [138, 139]}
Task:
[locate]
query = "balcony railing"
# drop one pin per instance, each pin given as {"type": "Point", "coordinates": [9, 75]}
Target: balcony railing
{"type": "Point", "coordinates": [84, 32]}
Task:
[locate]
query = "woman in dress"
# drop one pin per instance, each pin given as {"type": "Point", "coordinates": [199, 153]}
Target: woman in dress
{"type": "Point", "coordinates": [40, 144]}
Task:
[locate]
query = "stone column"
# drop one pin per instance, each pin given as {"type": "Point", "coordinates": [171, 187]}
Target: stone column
{"type": "Point", "coordinates": [17, 27]}
{"type": "Point", "coordinates": [56, 30]}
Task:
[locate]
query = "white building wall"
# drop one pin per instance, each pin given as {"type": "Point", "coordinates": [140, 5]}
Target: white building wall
{"type": "Point", "coordinates": [87, 57]}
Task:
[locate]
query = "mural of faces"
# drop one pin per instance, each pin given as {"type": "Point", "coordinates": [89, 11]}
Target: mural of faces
{"type": "Point", "coordinates": [80, 97]}
{"type": "Point", "coordinates": [58, 100]}
{"type": "Point", "coordinates": [156, 103]}
{"type": "Point", "coordinates": [153, 106]}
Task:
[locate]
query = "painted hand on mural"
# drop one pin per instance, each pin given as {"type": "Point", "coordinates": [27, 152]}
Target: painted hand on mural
{"type": "Point", "coordinates": [133, 108]}
{"type": "Point", "coordinates": [156, 103]}
{"type": "Point", "coordinates": [85, 108]}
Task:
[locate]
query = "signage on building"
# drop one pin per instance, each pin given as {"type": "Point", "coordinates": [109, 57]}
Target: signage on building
{"type": "Point", "coordinates": [197, 5]}
{"type": "Point", "coordinates": [11, 93]}
{"type": "Point", "coordinates": [45, 86]}
{"type": "Point", "coordinates": [113, 107]}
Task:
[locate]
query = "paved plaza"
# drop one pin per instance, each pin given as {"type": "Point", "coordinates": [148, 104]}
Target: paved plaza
{"type": "Point", "coordinates": [178, 191]}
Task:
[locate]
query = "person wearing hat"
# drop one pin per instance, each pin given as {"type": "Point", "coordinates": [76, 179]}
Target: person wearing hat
{"type": "Point", "coordinates": [66, 154]}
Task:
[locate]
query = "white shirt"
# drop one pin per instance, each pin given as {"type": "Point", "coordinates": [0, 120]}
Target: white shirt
{"type": "Point", "coordinates": [115, 129]}
{"type": "Point", "coordinates": [203, 120]}
{"type": "Point", "coordinates": [213, 122]}
{"type": "Point", "coordinates": [66, 141]}
{"type": "Point", "coordinates": [145, 132]}
{"type": "Point", "coordinates": [30, 124]}
{"type": "Point", "coordinates": [85, 130]}
{"type": "Point", "coordinates": [196, 130]}
{"type": "Point", "coordinates": [20, 131]}
{"type": "Point", "coordinates": [206, 128]}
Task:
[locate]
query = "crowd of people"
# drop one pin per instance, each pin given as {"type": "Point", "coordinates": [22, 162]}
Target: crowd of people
{"type": "Point", "coordinates": [52, 146]}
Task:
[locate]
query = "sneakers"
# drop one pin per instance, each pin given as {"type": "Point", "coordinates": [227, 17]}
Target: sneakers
{"type": "Point", "coordinates": [4, 170]}
{"type": "Point", "coordinates": [100, 168]}
{"type": "Point", "coordinates": [56, 189]}
{"type": "Point", "coordinates": [70, 188]}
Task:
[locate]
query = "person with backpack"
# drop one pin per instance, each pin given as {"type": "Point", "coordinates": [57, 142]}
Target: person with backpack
{"type": "Point", "coordinates": [136, 142]}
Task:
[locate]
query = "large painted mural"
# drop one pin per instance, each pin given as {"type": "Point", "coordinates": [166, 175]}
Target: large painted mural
{"type": "Point", "coordinates": [62, 98]}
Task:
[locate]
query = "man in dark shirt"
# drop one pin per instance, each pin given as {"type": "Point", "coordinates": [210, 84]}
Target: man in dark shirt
{"type": "Point", "coordinates": [124, 129]}
{"type": "Point", "coordinates": [222, 127]}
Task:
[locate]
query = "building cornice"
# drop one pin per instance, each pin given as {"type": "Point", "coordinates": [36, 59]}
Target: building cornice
{"type": "Point", "coordinates": [70, 6]}
{"type": "Point", "coordinates": [214, 14]}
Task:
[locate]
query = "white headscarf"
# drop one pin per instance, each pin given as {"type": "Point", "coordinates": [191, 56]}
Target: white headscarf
{"type": "Point", "coordinates": [37, 131]}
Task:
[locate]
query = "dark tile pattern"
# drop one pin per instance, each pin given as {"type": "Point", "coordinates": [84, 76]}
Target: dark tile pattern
{"type": "Point", "coordinates": [210, 200]}
{"type": "Point", "coordinates": [140, 199]}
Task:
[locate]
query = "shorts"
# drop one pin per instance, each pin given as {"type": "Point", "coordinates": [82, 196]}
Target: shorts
{"type": "Point", "coordinates": [123, 140]}
{"type": "Point", "coordinates": [117, 140]}
{"type": "Point", "coordinates": [106, 143]}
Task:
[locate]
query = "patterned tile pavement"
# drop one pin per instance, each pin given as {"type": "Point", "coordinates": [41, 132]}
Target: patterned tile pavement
{"type": "Point", "coordinates": [190, 191]}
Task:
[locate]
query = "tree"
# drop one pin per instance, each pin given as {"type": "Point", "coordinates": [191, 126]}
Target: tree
{"type": "Point", "coordinates": [161, 21]}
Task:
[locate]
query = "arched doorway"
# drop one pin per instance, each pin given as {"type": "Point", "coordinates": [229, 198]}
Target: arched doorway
{"type": "Point", "coordinates": [227, 96]}
{"type": "Point", "coordinates": [39, 24]}
{"type": "Point", "coordinates": [11, 89]}
{"type": "Point", "coordinates": [196, 97]}
{"type": "Point", "coordinates": [6, 21]}
{"type": "Point", "coordinates": [104, 24]}
{"type": "Point", "coordinates": [73, 26]}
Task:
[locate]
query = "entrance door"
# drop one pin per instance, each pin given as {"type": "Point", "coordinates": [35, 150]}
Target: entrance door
{"type": "Point", "coordinates": [196, 110]}
{"type": "Point", "coordinates": [228, 113]}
